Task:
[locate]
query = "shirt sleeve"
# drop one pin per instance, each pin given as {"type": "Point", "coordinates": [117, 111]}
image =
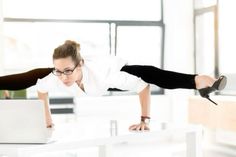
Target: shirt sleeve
{"type": "Point", "coordinates": [125, 81]}
{"type": "Point", "coordinates": [43, 85]}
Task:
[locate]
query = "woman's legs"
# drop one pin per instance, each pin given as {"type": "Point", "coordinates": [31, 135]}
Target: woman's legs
{"type": "Point", "coordinates": [23, 80]}
{"type": "Point", "coordinates": [168, 79]}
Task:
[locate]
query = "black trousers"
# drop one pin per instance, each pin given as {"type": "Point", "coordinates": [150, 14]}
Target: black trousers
{"type": "Point", "coordinates": [23, 80]}
{"type": "Point", "coordinates": [150, 74]}
{"type": "Point", "coordinates": [162, 78]}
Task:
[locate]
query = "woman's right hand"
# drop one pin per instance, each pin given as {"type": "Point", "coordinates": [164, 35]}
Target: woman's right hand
{"type": "Point", "coordinates": [139, 127]}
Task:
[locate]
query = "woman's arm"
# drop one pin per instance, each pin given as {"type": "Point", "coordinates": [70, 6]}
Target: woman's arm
{"type": "Point", "coordinates": [44, 97]}
{"type": "Point", "coordinates": [144, 97]}
{"type": "Point", "coordinates": [125, 81]}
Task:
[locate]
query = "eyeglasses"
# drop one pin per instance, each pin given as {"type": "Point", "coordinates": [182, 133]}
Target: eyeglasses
{"type": "Point", "coordinates": [65, 72]}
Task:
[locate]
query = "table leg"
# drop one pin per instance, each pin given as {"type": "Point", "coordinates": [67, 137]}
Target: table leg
{"type": "Point", "coordinates": [105, 151]}
{"type": "Point", "coordinates": [194, 143]}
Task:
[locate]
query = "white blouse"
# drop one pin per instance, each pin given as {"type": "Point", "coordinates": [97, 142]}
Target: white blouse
{"type": "Point", "coordinates": [99, 74]}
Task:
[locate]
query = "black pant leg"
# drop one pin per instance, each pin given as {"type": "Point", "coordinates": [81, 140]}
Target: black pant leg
{"type": "Point", "coordinates": [23, 80]}
{"type": "Point", "coordinates": [162, 78]}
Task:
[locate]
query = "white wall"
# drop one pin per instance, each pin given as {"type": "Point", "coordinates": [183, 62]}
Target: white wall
{"type": "Point", "coordinates": [178, 17]}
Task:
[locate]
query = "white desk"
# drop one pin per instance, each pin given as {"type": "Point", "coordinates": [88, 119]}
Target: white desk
{"type": "Point", "coordinates": [76, 137]}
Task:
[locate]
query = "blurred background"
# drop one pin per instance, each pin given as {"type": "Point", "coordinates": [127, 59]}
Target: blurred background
{"type": "Point", "coordinates": [190, 36]}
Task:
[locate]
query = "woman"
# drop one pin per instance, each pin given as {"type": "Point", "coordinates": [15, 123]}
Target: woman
{"type": "Point", "coordinates": [94, 75]}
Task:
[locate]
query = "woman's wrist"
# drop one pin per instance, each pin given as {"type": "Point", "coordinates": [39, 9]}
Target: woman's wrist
{"type": "Point", "coordinates": [50, 125]}
{"type": "Point", "coordinates": [145, 119]}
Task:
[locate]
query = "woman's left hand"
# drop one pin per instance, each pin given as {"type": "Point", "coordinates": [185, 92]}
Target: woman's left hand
{"type": "Point", "coordinates": [50, 130]}
{"type": "Point", "coordinates": [139, 127]}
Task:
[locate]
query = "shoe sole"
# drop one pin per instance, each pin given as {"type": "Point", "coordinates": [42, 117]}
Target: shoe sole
{"type": "Point", "coordinates": [222, 83]}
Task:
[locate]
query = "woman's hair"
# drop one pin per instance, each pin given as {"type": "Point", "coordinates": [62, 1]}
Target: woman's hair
{"type": "Point", "coordinates": [68, 49]}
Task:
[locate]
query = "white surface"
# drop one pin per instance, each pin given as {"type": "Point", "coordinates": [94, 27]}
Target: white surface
{"type": "Point", "coordinates": [76, 135]}
{"type": "Point", "coordinates": [93, 121]}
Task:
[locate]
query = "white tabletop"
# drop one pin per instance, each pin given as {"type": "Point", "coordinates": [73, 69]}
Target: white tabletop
{"type": "Point", "coordinates": [74, 135]}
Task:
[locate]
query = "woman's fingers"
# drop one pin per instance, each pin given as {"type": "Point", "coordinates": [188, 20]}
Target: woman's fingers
{"type": "Point", "coordinates": [133, 127]}
{"type": "Point", "coordinates": [139, 127]}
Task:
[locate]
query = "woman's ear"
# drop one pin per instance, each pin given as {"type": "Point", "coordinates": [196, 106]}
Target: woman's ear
{"type": "Point", "coordinates": [81, 63]}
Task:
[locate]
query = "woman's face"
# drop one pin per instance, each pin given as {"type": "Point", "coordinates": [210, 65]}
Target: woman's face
{"type": "Point", "coordinates": [67, 71]}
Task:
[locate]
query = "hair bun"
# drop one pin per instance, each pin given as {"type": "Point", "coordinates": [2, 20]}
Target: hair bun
{"type": "Point", "coordinates": [72, 43]}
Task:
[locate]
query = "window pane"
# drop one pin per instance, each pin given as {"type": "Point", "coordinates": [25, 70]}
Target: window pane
{"type": "Point", "coordinates": [32, 44]}
{"type": "Point", "coordinates": [84, 9]}
{"type": "Point", "coordinates": [205, 48]}
{"type": "Point", "coordinates": [140, 45]}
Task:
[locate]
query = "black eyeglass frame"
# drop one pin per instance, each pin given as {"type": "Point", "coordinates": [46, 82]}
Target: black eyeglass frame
{"type": "Point", "coordinates": [65, 72]}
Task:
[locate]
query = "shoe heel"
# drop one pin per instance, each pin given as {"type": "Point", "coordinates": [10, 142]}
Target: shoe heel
{"type": "Point", "coordinates": [208, 98]}
{"type": "Point", "coordinates": [204, 92]}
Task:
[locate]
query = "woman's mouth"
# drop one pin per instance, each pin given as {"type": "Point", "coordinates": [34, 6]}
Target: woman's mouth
{"type": "Point", "coordinates": [67, 83]}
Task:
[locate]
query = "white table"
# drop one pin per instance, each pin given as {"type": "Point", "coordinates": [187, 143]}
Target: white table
{"type": "Point", "coordinates": [78, 137]}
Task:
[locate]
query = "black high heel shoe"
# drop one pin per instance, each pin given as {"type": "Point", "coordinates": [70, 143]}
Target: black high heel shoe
{"type": "Point", "coordinates": [219, 84]}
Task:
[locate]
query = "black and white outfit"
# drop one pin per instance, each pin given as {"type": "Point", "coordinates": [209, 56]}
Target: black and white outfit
{"type": "Point", "coordinates": [99, 74]}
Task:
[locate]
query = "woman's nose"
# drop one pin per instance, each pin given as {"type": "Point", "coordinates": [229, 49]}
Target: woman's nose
{"type": "Point", "coordinates": [64, 77]}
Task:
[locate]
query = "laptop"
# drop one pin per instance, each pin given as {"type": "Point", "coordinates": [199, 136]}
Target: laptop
{"type": "Point", "coordinates": [23, 121]}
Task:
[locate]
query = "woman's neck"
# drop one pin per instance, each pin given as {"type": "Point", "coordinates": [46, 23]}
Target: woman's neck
{"type": "Point", "coordinates": [79, 81]}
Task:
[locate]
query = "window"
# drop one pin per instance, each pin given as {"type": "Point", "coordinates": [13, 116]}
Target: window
{"type": "Point", "coordinates": [140, 45]}
{"type": "Point", "coordinates": [33, 43]}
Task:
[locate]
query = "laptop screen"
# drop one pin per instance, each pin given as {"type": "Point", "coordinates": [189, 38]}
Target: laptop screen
{"type": "Point", "coordinates": [22, 121]}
